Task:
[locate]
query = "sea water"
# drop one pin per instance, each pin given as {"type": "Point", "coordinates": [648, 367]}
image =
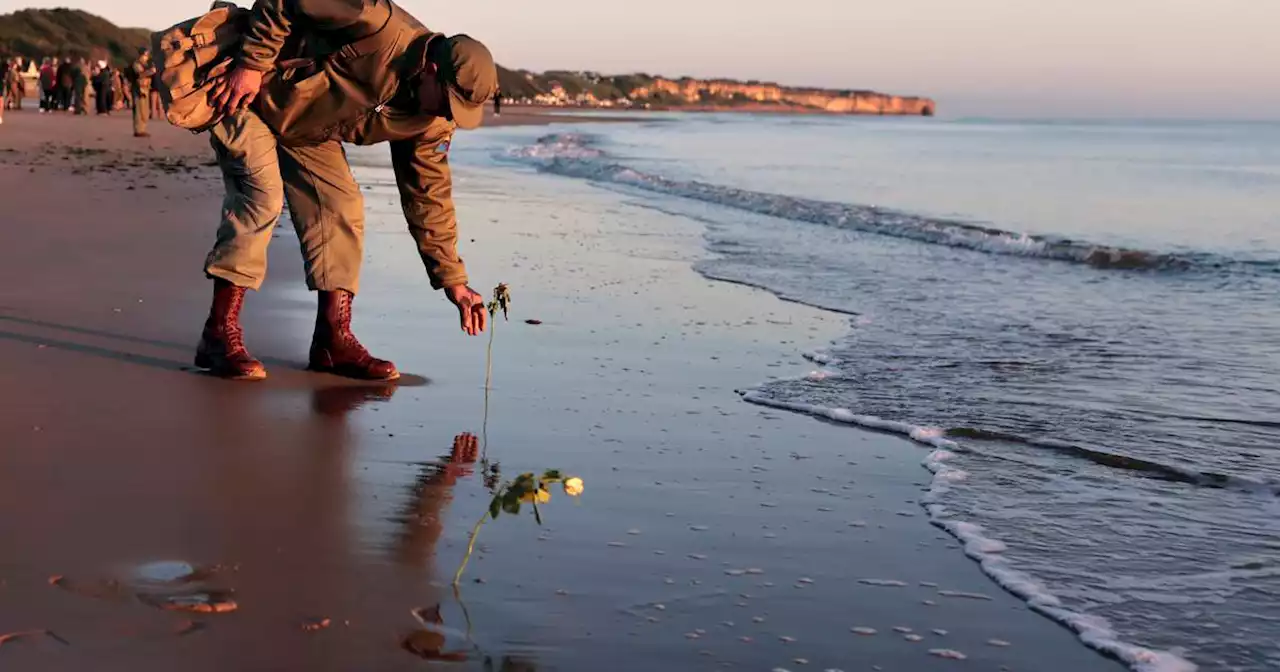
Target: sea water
{"type": "Point", "coordinates": [1077, 320]}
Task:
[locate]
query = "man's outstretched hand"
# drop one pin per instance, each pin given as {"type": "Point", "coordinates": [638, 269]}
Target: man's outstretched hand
{"type": "Point", "coordinates": [237, 91]}
{"type": "Point", "coordinates": [471, 310]}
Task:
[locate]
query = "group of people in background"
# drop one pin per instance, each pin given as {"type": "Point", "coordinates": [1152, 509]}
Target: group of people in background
{"type": "Point", "coordinates": [69, 84]}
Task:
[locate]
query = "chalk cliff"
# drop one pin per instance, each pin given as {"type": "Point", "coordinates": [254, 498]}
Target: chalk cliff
{"type": "Point", "coordinates": [708, 92]}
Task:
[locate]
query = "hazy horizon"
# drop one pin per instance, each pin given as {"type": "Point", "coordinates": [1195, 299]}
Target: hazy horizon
{"type": "Point", "coordinates": [1001, 58]}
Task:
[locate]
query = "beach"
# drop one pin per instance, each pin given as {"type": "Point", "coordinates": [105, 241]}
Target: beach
{"type": "Point", "coordinates": [323, 519]}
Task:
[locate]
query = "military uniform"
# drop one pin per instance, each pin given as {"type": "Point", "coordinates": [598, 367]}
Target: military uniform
{"type": "Point", "coordinates": [338, 71]}
{"type": "Point", "coordinates": [140, 88]}
{"type": "Point", "coordinates": [15, 85]}
{"type": "Point", "coordinates": [80, 87]}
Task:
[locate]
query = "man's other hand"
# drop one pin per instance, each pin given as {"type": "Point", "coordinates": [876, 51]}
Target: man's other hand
{"type": "Point", "coordinates": [237, 91]}
{"type": "Point", "coordinates": [471, 310]}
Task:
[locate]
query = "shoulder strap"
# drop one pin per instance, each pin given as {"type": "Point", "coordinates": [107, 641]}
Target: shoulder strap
{"type": "Point", "coordinates": [369, 43]}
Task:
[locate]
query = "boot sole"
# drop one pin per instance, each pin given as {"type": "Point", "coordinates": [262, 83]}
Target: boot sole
{"type": "Point", "coordinates": [206, 363]}
{"type": "Point", "coordinates": [314, 368]}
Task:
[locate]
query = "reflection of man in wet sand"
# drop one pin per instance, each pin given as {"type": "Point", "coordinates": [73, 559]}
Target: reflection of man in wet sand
{"type": "Point", "coordinates": [432, 491]}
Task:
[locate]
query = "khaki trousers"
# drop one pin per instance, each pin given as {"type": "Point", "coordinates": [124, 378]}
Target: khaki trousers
{"type": "Point", "coordinates": [324, 200]}
{"type": "Point", "coordinates": [141, 114]}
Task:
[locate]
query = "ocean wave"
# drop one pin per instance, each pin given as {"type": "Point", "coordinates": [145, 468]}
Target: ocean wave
{"type": "Point", "coordinates": [576, 155]}
{"type": "Point", "coordinates": [1115, 460]}
{"type": "Point", "coordinates": [1094, 631]}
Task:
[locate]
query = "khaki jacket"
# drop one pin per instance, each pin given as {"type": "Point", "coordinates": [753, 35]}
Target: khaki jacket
{"type": "Point", "coordinates": [335, 69]}
{"type": "Point", "coordinates": [140, 78]}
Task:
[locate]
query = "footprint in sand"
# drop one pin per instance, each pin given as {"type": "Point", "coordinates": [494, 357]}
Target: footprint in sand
{"type": "Point", "coordinates": [167, 585]}
{"type": "Point", "coordinates": [15, 637]}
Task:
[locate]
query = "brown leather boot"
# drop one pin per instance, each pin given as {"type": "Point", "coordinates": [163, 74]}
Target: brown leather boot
{"type": "Point", "coordinates": [221, 348]}
{"type": "Point", "coordinates": [334, 349]}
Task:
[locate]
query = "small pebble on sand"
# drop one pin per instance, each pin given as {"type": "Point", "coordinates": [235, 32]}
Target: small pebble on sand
{"type": "Point", "coordinates": [314, 624]}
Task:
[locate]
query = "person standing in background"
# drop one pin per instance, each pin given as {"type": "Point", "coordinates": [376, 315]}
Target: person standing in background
{"type": "Point", "coordinates": [65, 83]}
{"type": "Point", "coordinates": [497, 103]}
{"type": "Point", "coordinates": [5, 68]}
{"type": "Point", "coordinates": [120, 85]}
{"type": "Point", "coordinates": [157, 109]}
{"type": "Point", "coordinates": [48, 86]}
{"type": "Point", "coordinates": [13, 84]}
{"type": "Point", "coordinates": [141, 73]}
{"type": "Point", "coordinates": [104, 88]}
{"type": "Point", "coordinates": [23, 67]}
{"type": "Point", "coordinates": [80, 86]}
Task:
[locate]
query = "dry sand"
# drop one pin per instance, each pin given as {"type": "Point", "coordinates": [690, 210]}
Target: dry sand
{"type": "Point", "coordinates": [329, 511]}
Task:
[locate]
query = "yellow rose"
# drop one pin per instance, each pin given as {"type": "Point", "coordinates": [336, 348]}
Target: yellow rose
{"type": "Point", "coordinates": [573, 486]}
{"type": "Point", "coordinates": [541, 496]}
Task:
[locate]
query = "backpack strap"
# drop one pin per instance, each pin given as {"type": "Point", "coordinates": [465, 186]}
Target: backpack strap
{"type": "Point", "coordinates": [349, 52]}
{"type": "Point", "coordinates": [369, 43]}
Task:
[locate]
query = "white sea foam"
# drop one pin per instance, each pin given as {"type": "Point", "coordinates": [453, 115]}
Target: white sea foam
{"type": "Point", "coordinates": [576, 155]}
{"type": "Point", "coordinates": [821, 358]}
{"type": "Point", "coordinates": [1094, 631]}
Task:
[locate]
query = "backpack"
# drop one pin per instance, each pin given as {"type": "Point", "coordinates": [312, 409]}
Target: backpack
{"type": "Point", "coordinates": [191, 57]}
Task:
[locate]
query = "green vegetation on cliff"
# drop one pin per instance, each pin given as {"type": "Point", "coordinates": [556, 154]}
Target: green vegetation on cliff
{"type": "Point", "coordinates": [68, 32]}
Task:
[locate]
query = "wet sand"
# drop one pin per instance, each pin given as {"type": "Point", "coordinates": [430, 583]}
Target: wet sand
{"type": "Point", "coordinates": [712, 533]}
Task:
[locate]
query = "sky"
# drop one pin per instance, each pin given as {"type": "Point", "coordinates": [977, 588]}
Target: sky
{"type": "Point", "coordinates": [999, 58]}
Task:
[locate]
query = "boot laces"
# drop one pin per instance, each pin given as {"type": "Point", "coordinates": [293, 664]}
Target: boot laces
{"type": "Point", "coordinates": [349, 340]}
{"type": "Point", "coordinates": [233, 333]}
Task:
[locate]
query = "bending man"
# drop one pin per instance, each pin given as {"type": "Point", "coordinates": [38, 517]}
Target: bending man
{"type": "Point", "coordinates": [314, 74]}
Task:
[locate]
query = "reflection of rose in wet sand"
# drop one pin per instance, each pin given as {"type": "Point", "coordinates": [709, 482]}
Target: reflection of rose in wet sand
{"type": "Point", "coordinates": [429, 642]}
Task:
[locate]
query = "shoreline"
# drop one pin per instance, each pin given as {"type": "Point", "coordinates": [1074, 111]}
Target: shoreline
{"type": "Point", "coordinates": [316, 498]}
